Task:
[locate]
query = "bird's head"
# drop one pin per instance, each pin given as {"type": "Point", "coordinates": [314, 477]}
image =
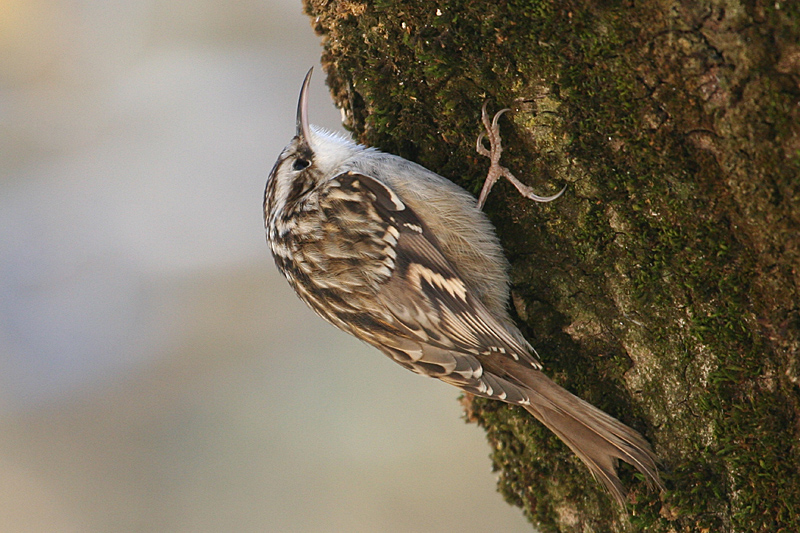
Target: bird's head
{"type": "Point", "coordinates": [313, 156]}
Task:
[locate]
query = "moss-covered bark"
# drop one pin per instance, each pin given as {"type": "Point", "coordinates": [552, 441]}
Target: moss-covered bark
{"type": "Point", "coordinates": [663, 286]}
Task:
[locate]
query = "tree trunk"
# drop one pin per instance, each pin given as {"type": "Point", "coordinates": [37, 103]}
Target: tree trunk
{"type": "Point", "coordinates": [663, 286]}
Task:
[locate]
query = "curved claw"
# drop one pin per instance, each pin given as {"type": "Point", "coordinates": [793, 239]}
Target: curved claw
{"type": "Point", "coordinates": [544, 199]}
{"type": "Point", "coordinates": [480, 148]}
{"type": "Point", "coordinates": [497, 116]}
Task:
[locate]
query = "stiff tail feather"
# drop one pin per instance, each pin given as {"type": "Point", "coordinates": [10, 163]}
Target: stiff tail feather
{"type": "Point", "coordinates": [597, 438]}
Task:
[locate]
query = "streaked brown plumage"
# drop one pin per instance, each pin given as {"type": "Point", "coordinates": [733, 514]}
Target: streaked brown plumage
{"type": "Point", "coordinates": [405, 260]}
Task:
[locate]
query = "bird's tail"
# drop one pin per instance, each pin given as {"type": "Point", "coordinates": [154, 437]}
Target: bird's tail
{"type": "Point", "coordinates": [597, 438]}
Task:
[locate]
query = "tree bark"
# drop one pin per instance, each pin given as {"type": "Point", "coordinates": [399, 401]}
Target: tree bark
{"type": "Point", "coordinates": [663, 286]}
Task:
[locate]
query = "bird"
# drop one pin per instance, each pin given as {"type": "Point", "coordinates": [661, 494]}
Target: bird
{"type": "Point", "coordinates": [406, 260]}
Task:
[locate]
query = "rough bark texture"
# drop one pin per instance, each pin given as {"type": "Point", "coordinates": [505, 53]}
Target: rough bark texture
{"type": "Point", "coordinates": [663, 286]}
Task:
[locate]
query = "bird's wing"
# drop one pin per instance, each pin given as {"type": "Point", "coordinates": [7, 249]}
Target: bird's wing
{"type": "Point", "coordinates": [421, 312]}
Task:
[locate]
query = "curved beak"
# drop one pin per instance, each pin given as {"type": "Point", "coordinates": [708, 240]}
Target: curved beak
{"type": "Point", "coordinates": [303, 130]}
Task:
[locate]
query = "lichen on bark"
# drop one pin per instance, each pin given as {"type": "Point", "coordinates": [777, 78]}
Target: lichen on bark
{"type": "Point", "coordinates": [663, 286]}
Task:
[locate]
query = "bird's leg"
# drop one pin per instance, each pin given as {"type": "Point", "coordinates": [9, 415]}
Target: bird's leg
{"type": "Point", "coordinates": [495, 168]}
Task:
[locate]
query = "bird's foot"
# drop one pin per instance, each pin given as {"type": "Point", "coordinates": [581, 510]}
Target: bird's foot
{"type": "Point", "coordinates": [496, 170]}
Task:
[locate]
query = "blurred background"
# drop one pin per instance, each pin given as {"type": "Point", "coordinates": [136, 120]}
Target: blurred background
{"type": "Point", "coordinates": [156, 373]}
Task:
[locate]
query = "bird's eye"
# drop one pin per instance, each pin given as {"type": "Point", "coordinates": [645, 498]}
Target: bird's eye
{"type": "Point", "coordinates": [300, 164]}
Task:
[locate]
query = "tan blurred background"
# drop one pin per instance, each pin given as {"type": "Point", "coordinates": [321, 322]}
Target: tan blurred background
{"type": "Point", "coordinates": [156, 373]}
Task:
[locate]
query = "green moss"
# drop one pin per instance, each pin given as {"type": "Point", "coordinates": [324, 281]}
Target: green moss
{"type": "Point", "coordinates": [662, 286]}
